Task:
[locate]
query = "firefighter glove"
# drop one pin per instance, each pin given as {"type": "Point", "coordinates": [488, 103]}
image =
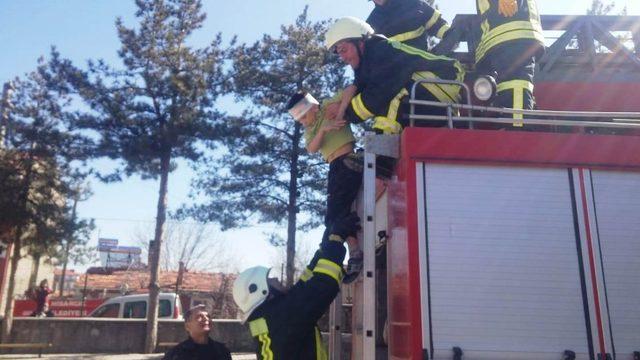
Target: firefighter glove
{"type": "Point", "coordinates": [345, 227]}
{"type": "Point", "coordinates": [507, 8]}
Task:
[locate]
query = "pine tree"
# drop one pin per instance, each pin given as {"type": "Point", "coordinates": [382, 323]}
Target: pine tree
{"type": "Point", "coordinates": [36, 167]}
{"type": "Point", "coordinates": [264, 173]}
{"type": "Point", "coordinates": [158, 108]}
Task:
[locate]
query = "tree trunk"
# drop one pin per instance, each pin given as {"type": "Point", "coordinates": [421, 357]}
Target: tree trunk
{"type": "Point", "coordinates": [67, 248]}
{"type": "Point", "coordinates": [293, 206]}
{"type": "Point", "coordinates": [35, 267]}
{"type": "Point", "coordinates": [7, 322]}
{"type": "Point", "coordinates": [154, 288]}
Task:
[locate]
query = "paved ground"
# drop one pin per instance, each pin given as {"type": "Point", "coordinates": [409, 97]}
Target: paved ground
{"type": "Point", "coordinates": [103, 356]}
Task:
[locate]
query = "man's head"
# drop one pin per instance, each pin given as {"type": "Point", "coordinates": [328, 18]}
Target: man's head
{"type": "Point", "coordinates": [197, 322]}
{"type": "Point", "coordinates": [44, 283]}
{"type": "Point", "coordinates": [303, 107]}
{"type": "Point", "coordinates": [346, 37]}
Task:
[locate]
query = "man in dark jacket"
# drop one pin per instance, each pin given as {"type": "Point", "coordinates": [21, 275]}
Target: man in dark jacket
{"type": "Point", "coordinates": [384, 72]}
{"type": "Point", "coordinates": [407, 21]}
{"type": "Point", "coordinates": [199, 346]}
{"type": "Point", "coordinates": [284, 321]}
{"type": "Point", "coordinates": [511, 40]}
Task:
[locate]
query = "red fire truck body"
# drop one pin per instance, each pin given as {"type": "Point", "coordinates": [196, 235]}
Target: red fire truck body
{"type": "Point", "coordinates": [500, 243]}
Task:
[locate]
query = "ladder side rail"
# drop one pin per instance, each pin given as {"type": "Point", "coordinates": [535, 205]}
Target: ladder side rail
{"type": "Point", "coordinates": [335, 328]}
{"type": "Point", "coordinates": [369, 266]}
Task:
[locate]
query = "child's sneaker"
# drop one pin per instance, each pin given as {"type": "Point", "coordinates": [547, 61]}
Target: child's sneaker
{"type": "Point", "coordinates": [354, 267]}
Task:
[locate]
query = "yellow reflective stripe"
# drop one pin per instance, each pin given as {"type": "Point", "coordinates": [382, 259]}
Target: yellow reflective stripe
{"type": "Point", "coordinates": [444, 93]}
{"type": "Point", "coordinates": [306, 274]}
{"type": "Point", "coordinates": [409, 35]}
{"type": "Point", "coordinates": [483, 6]}
{"type": "Point", "coordinates": [258, 327]}
{"type": "Point", "coordinates": [359, 108]}
{"type": "Point", "coordinates": [330, 268]}
{"type": "Point", "coordinates": [518, 103]}
{"type": "Point", "coordinates": [510, 31]}
{"type": "Point", "coordinates": [518, 87]}
{"type": "Point", "coordinates": [443, 29]}
{"type": "Point", "coordinates": [515, 84]}
{"type": "Point", "coordinates": [334, 237]}
{"type": "Point", "coordinates": [387, 126]}
{"type": "Point", "coordinates": [434, 18]}
{"type": "Point", "coordinates": [321, 352]}
{"type": "Point", "coordinates": [266, 352]}
{"type": "Point", "coordinates": [414, 51]}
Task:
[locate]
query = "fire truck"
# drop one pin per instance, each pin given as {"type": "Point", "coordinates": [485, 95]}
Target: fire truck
{"type": "Point", "coordinates": [495, 244]}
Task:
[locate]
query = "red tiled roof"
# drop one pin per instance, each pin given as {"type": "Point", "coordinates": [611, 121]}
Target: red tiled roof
{"type": "Point", "coordinates": [139, 281]}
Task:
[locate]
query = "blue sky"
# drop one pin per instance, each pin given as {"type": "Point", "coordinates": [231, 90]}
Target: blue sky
{"type": "Point", "coordinates": [83, 29]}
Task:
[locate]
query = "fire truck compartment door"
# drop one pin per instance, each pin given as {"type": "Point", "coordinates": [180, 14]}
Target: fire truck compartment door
{"type": "Point", "coordinates": [617, 207]}
{"type": "Point", "coordinates": [502, 274]}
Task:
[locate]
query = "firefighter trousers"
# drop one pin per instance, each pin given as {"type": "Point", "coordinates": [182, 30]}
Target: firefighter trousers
{"type": "Point", "coordinates": [514, 64]}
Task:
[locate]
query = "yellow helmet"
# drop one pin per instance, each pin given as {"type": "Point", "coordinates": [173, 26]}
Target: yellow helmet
{"type": "Point", "coordinates": [346, 28]}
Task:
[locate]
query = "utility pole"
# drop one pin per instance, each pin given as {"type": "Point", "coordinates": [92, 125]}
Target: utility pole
{"type": "Point", "coordinates": [5, 109]}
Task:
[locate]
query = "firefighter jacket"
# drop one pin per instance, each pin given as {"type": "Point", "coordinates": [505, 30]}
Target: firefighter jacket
{"type": "Point", "coordinates": [498, 29]}
{"type": "Point", "coordinates": [408, 21]}
{"type": "Point", "coordinates": [285, 325]}
{"type": "Point", "coordinates": [386, 72]}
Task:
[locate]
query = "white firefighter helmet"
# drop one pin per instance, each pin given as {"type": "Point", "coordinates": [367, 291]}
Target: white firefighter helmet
{"type": "Point", "coordinates": [250, 289]}
{"type": "Point", "coordinates": [346, 28]}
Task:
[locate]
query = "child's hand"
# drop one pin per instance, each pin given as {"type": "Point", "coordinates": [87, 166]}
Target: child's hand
{"type": "Point", "coordinates": [334, 125]}
{"type": "Point", "coordinates": [331, 110]}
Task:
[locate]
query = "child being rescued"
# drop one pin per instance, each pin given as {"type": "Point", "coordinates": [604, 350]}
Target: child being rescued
{"type": "Point", "coordinates": [335, 141]}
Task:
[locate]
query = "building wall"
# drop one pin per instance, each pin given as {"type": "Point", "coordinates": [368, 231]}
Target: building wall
{"type": "Point", "coordinates": [22, 278]}
{"type": "Point", "coordinates": [117, 335]}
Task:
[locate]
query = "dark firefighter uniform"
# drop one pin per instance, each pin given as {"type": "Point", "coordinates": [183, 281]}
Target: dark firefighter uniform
{"type": "Point", "coordinates": [511, 40]}
{"type": "Point", "coordinates": [408, 21]}
{"type": "Point", "coordinates": [285, 326]}
{"type": "Point", "coordinates": [386, 72]}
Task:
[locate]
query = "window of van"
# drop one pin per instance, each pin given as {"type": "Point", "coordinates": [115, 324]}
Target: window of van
{"type": "Point", "coordinates": [109, 310]}
{"type": "Point", "coordinates": [164, 308]}
{"type": "Point", "coordinates": [135, 310]}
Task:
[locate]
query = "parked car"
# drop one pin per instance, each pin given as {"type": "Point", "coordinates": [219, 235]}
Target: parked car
{"type": "Point", "coordinates": [135, 307]}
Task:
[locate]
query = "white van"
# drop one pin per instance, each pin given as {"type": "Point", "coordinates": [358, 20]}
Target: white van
{"type": "Point", "coordinates": [135, 307]}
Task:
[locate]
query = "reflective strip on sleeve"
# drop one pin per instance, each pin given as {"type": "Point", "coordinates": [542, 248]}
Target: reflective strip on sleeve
{"type": "Point", "coordinates": [389, 124]}
{"type": "Point", "coordinates": [409, 35]}
{"type": "Point", "coordinates": [266, 352]}
{"type": "Point", "coordinates": [359, 108]}
{"type": "Point", "coordinates": [443, 29]}
{"type": "Point", "coordinates": [329, 268]}
{"type": "Point", "coordinates": [434, 18]}
{"type": "Point", "coordinates": [306, 274]}
{"type": "Point", "coordinates": [334, 237]}
{"type": "Point", "coordinates": [258, 327]}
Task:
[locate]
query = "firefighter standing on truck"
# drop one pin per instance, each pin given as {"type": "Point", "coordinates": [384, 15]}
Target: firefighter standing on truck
{"type": "Point", "coordinates": [511, 40]}
{"type": "Point", "coordinates": [284, 321]}
{"type": "Point", "coordinates": [407, 21]}
{"type": "Point", "coordinates": [384, 72]}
